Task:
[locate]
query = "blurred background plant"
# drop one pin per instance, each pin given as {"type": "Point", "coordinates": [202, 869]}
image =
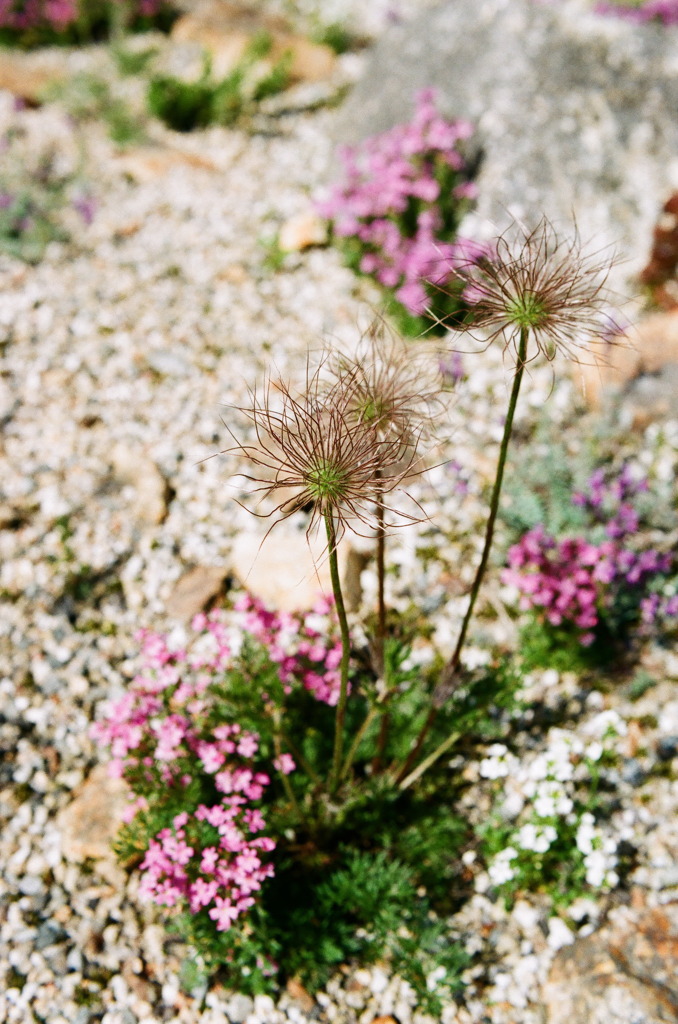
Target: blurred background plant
{"type": "Point", "coordinates": [641, 11]}
{"type": "Point", "coordinates": [597, 580]}
{"type": "Point", "coordinates": [43, 193]}
{"type": "Point", "coordinates": [185, 105]}
{"type": "Point", "coordinates": [396, 214]}
{"type": "Point", "coordinates": [30, 23]}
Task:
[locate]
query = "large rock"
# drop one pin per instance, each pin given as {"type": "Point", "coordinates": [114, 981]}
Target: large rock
{"type": "Point", "coordinates": [575, 112]}
{"type": "Point", "coordinates": [626, 972]}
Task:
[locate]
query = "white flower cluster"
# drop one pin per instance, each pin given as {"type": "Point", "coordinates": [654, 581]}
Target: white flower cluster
{"type": "Point", "coordinates": [600, 854]}
{"type": "Point", "coordinates": [543, 788]}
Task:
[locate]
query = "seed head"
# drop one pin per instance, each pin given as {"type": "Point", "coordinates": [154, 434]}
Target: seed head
{"type": "Point", "coordinates": [391, 387]}
{"type": "Point", "coordinates": [312, 444]}
{"type": "Point", "coordinates": [538, 282]}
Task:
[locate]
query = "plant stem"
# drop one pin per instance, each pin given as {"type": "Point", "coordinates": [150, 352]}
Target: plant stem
{"type": "Point", "coordinates": [335, 774]}
{"type": "Point", "coordinates": [353, 750]}
{"type": "Point", "coordinates": [381, 573]}
{"type": "Point", "coordinates": [453, 664]}
{"type": "Point", "coordinates": [287, 785]}
{"type": "Point", "coordinates": [428, 761]}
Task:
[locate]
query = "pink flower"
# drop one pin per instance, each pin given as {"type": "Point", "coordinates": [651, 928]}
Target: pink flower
{"type": "Point", "coordinates": [285, 764]}
{"type": "Point", "coordinates": [224, 913]}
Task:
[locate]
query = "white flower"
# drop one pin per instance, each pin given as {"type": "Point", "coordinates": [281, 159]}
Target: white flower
{"type": "Point", "coordinates": [605, 725]}
{"type": "Point", "coordinates": [552, 800]}
{"type": "Point", "coordinates": [586, 833]}
{"type": "Point", "coordinates": [594, 751]}
{"type": "Point", "coordinates": [596, 867]}
{"type": "Point", "coordinates": [498, 764]}
{"type": "Point", "coordinates": [537, 838]}
{"type": "Point", "coordinates": [500, 870]}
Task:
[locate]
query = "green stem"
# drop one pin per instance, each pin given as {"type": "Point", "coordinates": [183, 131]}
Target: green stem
{"type": "Point", "coordinates": [381, 574]}
{"type": "Point", "coordinates": [345, 653]}
{"type": "Point", "coordinates": [300, 759]}
{"type": "Point", "coordinates": [353, 750]}
{"type": "Point", "coordinates": [428, 761]}
{"type": "Point", "coordinates": [453, 664]}
{"type": "Point", "coordinates": [287, 785]}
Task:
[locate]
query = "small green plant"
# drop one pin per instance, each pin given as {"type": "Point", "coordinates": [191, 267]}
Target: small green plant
{"type": "Point", "coordinates": [37, 194]}
{"type": "Point", "coordinates": [188, 105]}
{"type": "Point", "coordinates": [132, 62]}
{"type": "Point", "coordinates": [87, 97]}
{"type": "Point", "coordinates": [335, 35]}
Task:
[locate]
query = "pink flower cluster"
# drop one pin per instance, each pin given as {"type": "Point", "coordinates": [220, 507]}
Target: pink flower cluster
{"type": "Point", "coordinates": [209, 860]}
{"type": "Point", "coordinates": [665, 11]}
{"type": "Point", "coordinates": [573, 581]}
{"type": "Point", "coordinates": [168, 737]}
{"type": "Point", "coordinates": [58, 14]}
{"type": "Point", "coordinates": [401, 200]}
{"type": "Point", "coordinates": [305, 647]}
{"type": "Point", "coordinates": [562, 578]}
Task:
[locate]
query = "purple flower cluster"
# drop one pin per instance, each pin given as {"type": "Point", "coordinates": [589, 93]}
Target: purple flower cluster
{"type": "Point", "coordinates": [664, 11]}
{"type": "Point", "coordinates": [403, 193]}
{"type": "Point", "coordinates": [574, 581]}
{"type": "Point", "coordinates": [58, 14]}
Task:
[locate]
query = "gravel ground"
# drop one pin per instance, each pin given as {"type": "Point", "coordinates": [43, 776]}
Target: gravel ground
{"type": "Point", "coordinates": [119, 357]}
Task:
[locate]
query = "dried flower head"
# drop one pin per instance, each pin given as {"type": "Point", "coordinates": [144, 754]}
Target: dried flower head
{"type": "Point", "coordinates": [391, 387]}
{"type": "Point", "coordinates": [312, 445]}
{"type": "Point", "coordinates": [540, 283]}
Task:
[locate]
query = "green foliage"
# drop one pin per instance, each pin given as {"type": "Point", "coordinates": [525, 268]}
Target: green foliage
{"type": "Point", "coordinates": [335, 35]}
{"type": "Point", "coordinates": [87, 97]}
{"type": "Point", "coordinates": [132, 62]}
{"type": "Point", "coordinates": [185, 106]}
{"type": "Point", "coordinates": [542, 645]}
{"type": "Point", "coordinates": [28, 223]}
{"type": "Point", "coordinates": [359, 907]}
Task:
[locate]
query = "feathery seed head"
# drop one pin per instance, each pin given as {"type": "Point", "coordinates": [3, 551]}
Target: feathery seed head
{"type": "Point", "coordinates": [539, 282]}
{"type": "Point", "coordinates": [314, 446]}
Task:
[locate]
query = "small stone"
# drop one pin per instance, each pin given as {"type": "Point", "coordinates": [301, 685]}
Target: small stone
{"type": "Point", "coordinates": [302, 231]}
{"type": "Point", "coordinates": [89, 823]}
{"type": "Point", "coordinates": [31, 75]}
{"type": "Point", "coordinates": [626, 972]}
{"type": "Point", "coordinates": [133, 467]}
{"type": "Point", "coordinates": [667, 748]}
{"type": "Point", "coordinates": [632, 772]}
{"type": "Point", "coordinates": [168, 363]}
{"type": "Point", "coordinates": [651, 345]}
{"type": "Point", "coordinates": [225, 31]}
{"type": "Point", "coordinates": [301, 997]}
{"type": "Point", "coordinates": [48, 935]}
{"type": "Point", "coordinates": [195, 591]}
{"type": "Point", "coordinates": [239, 1008]}
{"type": "Point", "coordinates": [285, 571]}
{"type": "Point", "coordinates": [147, 163]}
{"type": "Point", "coordinates": [31, 885]}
